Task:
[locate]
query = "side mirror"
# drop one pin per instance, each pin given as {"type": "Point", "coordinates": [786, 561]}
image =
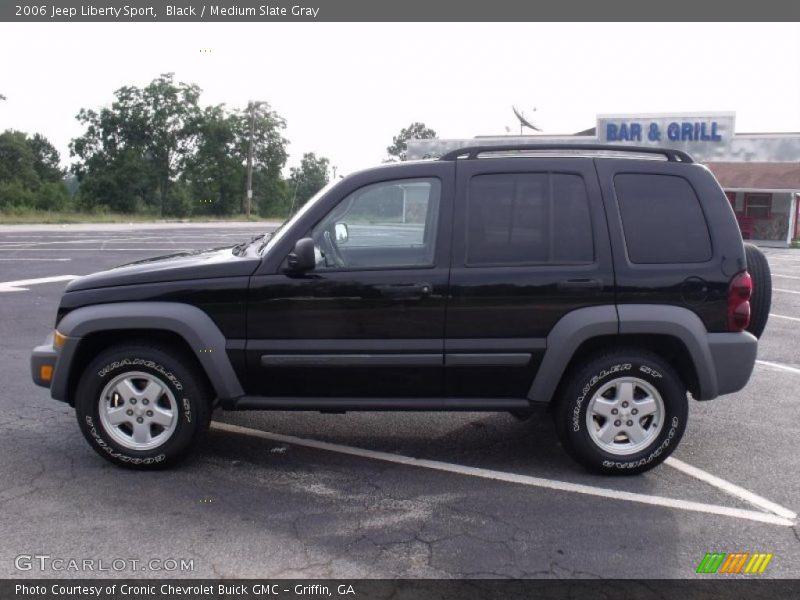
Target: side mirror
{"type": "Point", "coordinates": [341, 232]}
{"type": "Point", "coordinates": [302, 258]}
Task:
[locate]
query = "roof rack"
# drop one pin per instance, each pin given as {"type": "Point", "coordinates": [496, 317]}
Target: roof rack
{"type": "Point", "coordinates": [472, 152]}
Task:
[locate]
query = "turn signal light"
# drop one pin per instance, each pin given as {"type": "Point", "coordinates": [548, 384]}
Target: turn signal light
{"type": "Point", "coordinates": [46, 372]}
{"type": "Point", "coordinates": [739, 293]}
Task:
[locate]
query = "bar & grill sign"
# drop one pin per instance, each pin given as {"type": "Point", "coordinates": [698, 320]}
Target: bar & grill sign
{"type": "Point", "coordinates": [684, 131]}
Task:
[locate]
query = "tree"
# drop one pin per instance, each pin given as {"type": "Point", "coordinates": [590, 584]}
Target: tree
{"type": "Point", "coordinates": [142, 141]}
{"type": "Point", "coordinates": [307, 179]}
{"type": "Point", "coordinates": [17, 159]}
{"type": "Point", "coordinates": [30, 173]}
{"type": "Point", "coordinates": [153, 138]}
{"type": "Point", "coordinates": [415, 131]}
{"type": "Point", "coordinates": [46, 160]}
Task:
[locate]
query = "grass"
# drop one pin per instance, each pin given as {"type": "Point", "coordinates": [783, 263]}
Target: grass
{"type": "Point", "coordinates": [29, 217]}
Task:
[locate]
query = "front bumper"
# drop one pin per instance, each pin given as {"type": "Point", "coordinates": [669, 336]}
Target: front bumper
{"type": "Point", "coordinates": [43, 363]}
{"type": "Point", "coordinates": [734, 357]}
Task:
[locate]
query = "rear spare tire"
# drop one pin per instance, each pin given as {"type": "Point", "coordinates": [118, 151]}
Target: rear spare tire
{"type": "Point", "coordinates": [761, 297]}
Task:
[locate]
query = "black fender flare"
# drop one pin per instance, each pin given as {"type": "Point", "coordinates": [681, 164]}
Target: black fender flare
{"type": "Point", "coordinates": [193, 325]}
{"type": "Point", "coordinates": [583, 324]}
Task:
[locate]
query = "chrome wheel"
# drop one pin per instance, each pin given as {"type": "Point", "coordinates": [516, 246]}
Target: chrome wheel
{"type": "Point", "coordinates": [625, 416]}
{"type": "Point", "coordinates": [138, 410]}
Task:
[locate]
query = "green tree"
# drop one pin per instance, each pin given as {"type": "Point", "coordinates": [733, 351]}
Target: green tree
{"type": "Point", "coordinates": [215, 172]}
{"type": "Point", "coordinates": [157, 137]}
{"type": "Point", "coordinates": [415, 131]}
{"type": "Point", "coordinates": [141, 142]}
{"type": "Point", "coordinates": [46, 160]}
{"type": "Point", "coordinates": [17, 159]}
{"type": "Point", "coordinates": [307, 179]}
{"type": "Point", "coordinates": [30, 173]}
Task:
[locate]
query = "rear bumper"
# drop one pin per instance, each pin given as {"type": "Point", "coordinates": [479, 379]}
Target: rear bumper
{"type": "Point", "coordinates": [43, 363]}
{"type": "Point", "coordinates": [734, 356]}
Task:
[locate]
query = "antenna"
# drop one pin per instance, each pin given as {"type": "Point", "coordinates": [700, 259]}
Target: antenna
{"type": "Point", "coordinates": [523, 122]}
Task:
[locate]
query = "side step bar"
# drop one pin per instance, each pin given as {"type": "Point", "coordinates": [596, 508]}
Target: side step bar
{"type": "Point", "coordinates": [386, 404]}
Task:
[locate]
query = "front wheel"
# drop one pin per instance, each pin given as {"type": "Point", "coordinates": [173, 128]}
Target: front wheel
{"type": "Point", "coordinates": [622, 413]}
{"type": "Point", "coordinates": [142, 406]}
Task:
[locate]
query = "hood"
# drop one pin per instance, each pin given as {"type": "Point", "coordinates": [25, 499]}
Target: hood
{"type": "Point", "coordinates": [201, 264]}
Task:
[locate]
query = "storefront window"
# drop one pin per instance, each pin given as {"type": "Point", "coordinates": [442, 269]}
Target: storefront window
{"type": "Point", "coordinates": [758, 206]}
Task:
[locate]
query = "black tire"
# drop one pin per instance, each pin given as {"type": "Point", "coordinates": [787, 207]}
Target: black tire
{"type": "Point", "coordinates": [623, 366]}
{"type": "Point", "coordinates": [761, 299]}
{"type": "Point", "coordinates": [189, 404]}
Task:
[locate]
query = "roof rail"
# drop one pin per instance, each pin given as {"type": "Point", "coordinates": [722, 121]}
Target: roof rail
{"type": "Point", "coordinates": [472, 152]}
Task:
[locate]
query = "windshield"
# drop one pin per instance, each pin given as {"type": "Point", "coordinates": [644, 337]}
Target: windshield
{"type": "Point", "coordinates": [276, 235]}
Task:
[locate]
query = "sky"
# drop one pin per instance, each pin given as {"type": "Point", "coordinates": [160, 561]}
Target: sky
{"type": "Point", "coordinates": [346, 89]}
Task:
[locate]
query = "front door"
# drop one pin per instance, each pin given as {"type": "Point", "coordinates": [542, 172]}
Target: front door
{"type": "Point", "coordinates": [530, 245]}
{"type": "Point", "coordinates": [368, 321]}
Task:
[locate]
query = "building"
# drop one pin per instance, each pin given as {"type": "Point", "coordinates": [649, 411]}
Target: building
{"type": "Point", "coordinates": [760, 172]}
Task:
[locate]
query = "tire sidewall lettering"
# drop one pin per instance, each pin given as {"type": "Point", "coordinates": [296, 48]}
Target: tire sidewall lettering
{"type": "Point", "coordinates": [134, 460]}
{"type": "Point", "coordinates": [140, 362]}
{"type": "Point", "coordinates": [674, 424]}
{"type": "Point", "coordinates": [95, 430]}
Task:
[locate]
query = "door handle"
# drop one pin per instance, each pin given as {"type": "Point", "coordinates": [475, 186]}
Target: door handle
{"type": "Point", "coordinates": [407, 291]}
{"type": "Point", "coordinates": [580, 285]}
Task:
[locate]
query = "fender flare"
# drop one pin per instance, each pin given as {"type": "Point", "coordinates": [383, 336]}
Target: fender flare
{"type": "Point", "coordinates": [193, 325]}
{"type": "Point", "coordinates": [563, 341]}
{"type": "Point", "coordinates": [680, 323]}
{"type": "Point", "coordinates": [583, 324]}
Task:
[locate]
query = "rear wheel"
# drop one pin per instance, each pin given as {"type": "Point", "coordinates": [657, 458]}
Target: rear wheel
{"type": "Point", "coordinates": [761, 297]}
{"type": "Point", "coordinates": [142, 406]}
{"type": "Point", "coordinates": [622, 413]}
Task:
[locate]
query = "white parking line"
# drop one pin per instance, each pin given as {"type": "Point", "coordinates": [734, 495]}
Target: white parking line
{"type": "Point", "coordinates": [44, 259]}
{"type": "Point", "coordinates": [19, 285]}
{"type": "Point", "coordinates": [784, 276]}
{"type": "Point", "coordinates": [785, 291]}
{"type": "Point", "coordinates": [779, 366]}
{"type": "Point", "coordinates": [784, 317]}
{"type": "Point", "coordinates": [730, 488]}
{"type": "Point", "coordinates": [201, 245]}
{"type": "Point", "coordinates": [561, 486]}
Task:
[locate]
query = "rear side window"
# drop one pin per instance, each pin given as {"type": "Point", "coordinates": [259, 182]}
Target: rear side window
{"type": "Point", "coordinates": [662, 219]}
{"type": "Point", "coordinates": [528, 218]}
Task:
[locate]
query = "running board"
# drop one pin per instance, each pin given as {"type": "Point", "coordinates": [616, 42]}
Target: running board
{"type": "Point", "coordinates": [386, 404]}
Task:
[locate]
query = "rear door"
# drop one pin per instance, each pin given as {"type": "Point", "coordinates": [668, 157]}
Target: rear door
{"type": "Point", "coordinates": [530, 244]}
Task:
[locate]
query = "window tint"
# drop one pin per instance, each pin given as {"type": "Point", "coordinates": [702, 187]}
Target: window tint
{"type": "Point", "coordinates": [662, 219]}
{"type": "Point", "coordinates": [387, 224]}
{"type": "Point", "coordinates": [518, 218]}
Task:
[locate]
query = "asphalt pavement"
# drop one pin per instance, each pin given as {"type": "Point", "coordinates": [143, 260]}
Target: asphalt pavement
{"type": "Point", "coordinates": [309, 495]}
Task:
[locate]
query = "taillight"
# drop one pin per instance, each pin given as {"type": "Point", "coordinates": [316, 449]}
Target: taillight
{"type": "Point", "coordinates": [739, 292]}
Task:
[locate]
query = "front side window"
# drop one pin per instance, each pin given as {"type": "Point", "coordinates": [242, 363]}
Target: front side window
{"type": "Point", "coordinates": [528, 218]}
{"type": "Point", "coordinates": [383, 225]}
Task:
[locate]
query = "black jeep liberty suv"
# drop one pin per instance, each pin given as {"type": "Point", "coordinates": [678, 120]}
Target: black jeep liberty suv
{"type": "Point", "coordinates": [606, 281]}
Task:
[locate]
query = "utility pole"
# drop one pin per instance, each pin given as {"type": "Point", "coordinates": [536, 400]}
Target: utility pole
{"type": "Point", "coordinates": [251, 106]}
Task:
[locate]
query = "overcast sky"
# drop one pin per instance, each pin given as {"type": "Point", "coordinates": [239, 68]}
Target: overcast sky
{"type": "Point", "coordinates": [346, 89]}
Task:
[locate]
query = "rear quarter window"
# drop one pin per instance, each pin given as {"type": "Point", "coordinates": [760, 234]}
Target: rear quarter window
{"type": "Point", "coordinates": [662, 219]}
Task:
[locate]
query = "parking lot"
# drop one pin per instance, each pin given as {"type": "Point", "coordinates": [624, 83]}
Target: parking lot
{"type": "Point", "coordinates": [381, 495]}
